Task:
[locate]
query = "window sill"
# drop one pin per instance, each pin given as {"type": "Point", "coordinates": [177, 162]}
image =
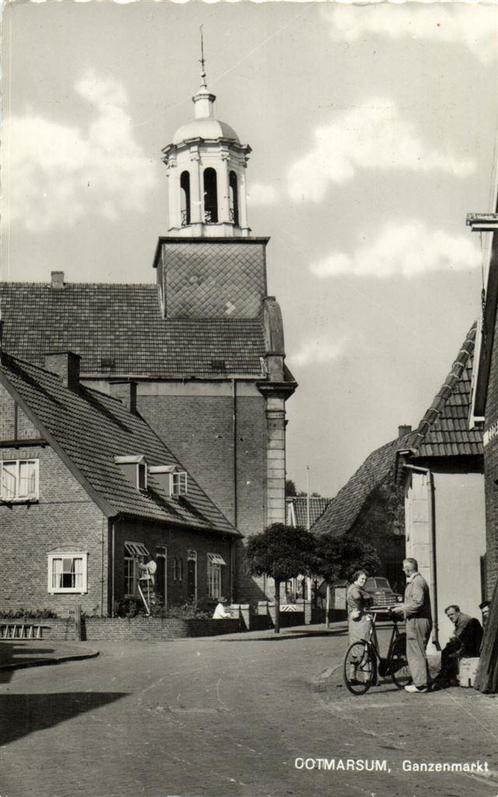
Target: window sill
{"type": "Point", "coordinates": [68, 592]}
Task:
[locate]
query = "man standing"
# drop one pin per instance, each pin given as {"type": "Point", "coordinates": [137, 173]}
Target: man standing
{"type": "Point", "coordinates": [417, 611]}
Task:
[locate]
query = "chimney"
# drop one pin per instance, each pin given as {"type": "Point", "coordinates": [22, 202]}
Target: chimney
{"type": "Point", "coordinates": [57, 280]}
{"type": "Point", "coordinates": [66, 364]}
{"type": "Point", "coordinates": [126, 393]}
{"type": "Point", "coordinates": [402, 430]}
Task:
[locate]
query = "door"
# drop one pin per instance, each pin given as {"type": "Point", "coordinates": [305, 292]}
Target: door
{"type": "Point", "coordinates": [192, 576]}
{"type": "Point", "coordinates": [162, 575]}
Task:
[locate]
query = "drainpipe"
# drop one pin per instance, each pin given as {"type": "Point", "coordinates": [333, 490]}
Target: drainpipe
{"type": "Point", "coordinates": [235, 487]}
{"type": "Point", "coordinates": [234, 432]}
{"type": "Point", "coordinates": [432, 522]}
{"type": "Point", "coordinates": [113, 552]}
{"type": "Point", "coordinates": [102, 565]}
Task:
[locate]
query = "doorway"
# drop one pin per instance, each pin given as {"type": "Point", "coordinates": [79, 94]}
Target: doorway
{"type": "Point", "coordinates": [192, 576]}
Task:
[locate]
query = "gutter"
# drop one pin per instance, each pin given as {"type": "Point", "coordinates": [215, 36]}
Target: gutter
{"type": "Point", "coordinates": [432, 521]}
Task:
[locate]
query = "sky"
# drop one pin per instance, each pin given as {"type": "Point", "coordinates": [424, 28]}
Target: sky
{"type": "Point", "coordinates": [373, 130]}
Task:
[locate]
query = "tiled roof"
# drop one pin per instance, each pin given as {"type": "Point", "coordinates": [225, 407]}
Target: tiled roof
{"type": "Point", "coordinates": [90, 428]}
{"type": "Point", "coordinates": [300, 504]}
{"type": "Point", "coordinates": [123, 324]}
{"type": "Point", "coordinates": [444, 430]}
{"type": "Point", "coordinates": [343, 510]}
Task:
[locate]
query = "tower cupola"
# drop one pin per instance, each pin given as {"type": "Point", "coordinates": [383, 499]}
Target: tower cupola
{"type": "Point", "coordinates": [206, 166]}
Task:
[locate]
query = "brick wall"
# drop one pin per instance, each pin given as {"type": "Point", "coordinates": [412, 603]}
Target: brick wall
{"type": "Point", "coordinates": [177, 542]}
{"type": "Point", "coordinates": [62, 518]}
{"type": "Point", "coordinates": [139, 628]}
{"type": "Point", "coordinates": [146, 628]}
{"type": "Point", "coordinates": [199, 431]}
{"type": "Point", "coordinates": [491, 474]}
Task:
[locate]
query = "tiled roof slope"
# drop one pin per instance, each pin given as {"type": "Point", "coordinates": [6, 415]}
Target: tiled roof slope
{"type": "Point", "coordinates": [300, 504]}
{"type": "Point", "coordinates": [444, 429]}
{"type": "Point", "coordinates": [343, 510]}
{"type": "Point", "coordinates": [91, 428]}
{"type": "Point", "coordinates": [123, 323]}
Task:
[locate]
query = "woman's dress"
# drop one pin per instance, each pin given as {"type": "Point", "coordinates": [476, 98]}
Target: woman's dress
{"type": "Point", "coordinates": [360, 625]}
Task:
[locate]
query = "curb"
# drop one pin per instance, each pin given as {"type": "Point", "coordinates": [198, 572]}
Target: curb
{"type": "Point", "coordinates": [22, 665]}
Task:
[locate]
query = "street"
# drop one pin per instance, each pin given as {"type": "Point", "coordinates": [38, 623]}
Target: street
{"type": "Point", "coordinates": [242, 716]}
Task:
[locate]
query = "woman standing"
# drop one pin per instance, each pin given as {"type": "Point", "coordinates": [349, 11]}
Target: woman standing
{"type": "Point", "coordinates": [358, 600]}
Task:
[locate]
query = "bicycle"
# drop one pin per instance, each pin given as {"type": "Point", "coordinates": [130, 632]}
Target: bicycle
{"type": "Point", "coordinates": [360, 661]}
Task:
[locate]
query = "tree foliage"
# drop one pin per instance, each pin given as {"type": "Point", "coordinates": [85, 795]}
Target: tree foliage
{"type": "Point", "coordinates": [339, 557]}
{"type": "Point", "coordinates": [290, 488]}
{"type": "Point", "coordinates": [282, 552]}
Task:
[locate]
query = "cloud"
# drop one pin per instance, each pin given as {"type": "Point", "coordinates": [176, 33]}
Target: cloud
{"type": "Point", "coordinates": [318, 350]}
{"type": "Point", "coordinates": [471, 25]}
{"type": "Point", "coordinates": [261, 194]}
{"type": "Point", "coordinates": [370, 136]}
{"type": "Point", "coordinates": [55, 173]}
{"type": "Point", "coordinates": [406, 249]}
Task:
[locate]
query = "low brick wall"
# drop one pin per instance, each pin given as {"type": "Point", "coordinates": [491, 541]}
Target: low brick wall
{"type": "Point", "coordinates": [144, 628]}
{"type": "Point", "coordinates": [61, 629]}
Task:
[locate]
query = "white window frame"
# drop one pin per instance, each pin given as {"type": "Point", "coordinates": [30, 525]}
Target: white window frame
{"type": "Point", "coordinates": [19, 498]}
{"type": "Point", "coordinates": [52, 556]}
{"type": "Point", "coordinates": [214, 574]}
{"type": "Point", "coordinates": [179, 482]}
{"type": "Point", "coordinates": [134, 576]}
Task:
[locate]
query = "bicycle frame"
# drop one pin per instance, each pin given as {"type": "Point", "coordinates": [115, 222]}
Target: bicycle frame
{"type": "Point", "coordinates": [363, 660]}
{"type": "Point", "coordinates": [385, 664]}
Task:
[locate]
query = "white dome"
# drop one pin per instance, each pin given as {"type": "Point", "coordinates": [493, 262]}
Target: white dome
{"type": "Point", "coordinates": [206, 129]}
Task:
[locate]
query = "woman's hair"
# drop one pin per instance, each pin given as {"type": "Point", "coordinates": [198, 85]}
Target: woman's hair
{"type": "Point", "coordinates": [358, 573]}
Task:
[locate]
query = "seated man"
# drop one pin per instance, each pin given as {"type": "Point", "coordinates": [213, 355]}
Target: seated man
{"type": "Point", "coordinates": [221, 612]}
{"type": "Point", "coordinates": [465, 643]}
{"type": "Point", "coordinates": [484, 607]}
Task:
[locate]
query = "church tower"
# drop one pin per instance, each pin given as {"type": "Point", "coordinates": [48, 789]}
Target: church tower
{"type": "Point", "coordinates": [211, 273]}
{"type": "Point", "coordinates": [206, 169]}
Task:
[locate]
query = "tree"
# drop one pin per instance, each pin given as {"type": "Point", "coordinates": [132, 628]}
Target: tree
{"type": "Point", "coordinates": [290, 488]}
{"type": "Point", "coordinates": [281, 552]}
{"type": "Point", "coordinates": [339, 557]}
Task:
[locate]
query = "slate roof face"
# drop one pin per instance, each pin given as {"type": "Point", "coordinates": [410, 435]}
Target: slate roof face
{"type": "Point", "coordinates": [123, 324]}
{"type": "Point", "coordinates": [92, 428]}
{"type": "Point", "coordinates": [300, 503]}
{"type": "Point", "coordinates": [444, 430]}
{"type": "Point", "coordinates": [343, 510]}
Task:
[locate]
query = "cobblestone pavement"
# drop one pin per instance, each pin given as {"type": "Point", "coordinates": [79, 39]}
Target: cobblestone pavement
{"type": "Point", "coordinates": [228, 717]}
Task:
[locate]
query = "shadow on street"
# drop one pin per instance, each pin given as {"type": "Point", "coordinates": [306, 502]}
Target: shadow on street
{"type": "Point", "coordinates": [286, 636]}
{"type": "Point", "coordinates": [21, 715]}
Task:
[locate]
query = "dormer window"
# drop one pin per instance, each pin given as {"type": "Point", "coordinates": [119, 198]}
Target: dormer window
{"type": "Point", "coordinates": [179, 486]}
{"type": "Point", "coordinates": [134, 467]}
{"type": "Point", "coordinates": [170, 480]}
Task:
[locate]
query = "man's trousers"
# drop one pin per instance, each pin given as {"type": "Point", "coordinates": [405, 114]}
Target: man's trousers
{"type": "Point", "coordinates": [418, 631]}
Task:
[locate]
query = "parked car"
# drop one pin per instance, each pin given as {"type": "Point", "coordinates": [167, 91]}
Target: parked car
{"type": "Point", "coordinates": [381, 590]}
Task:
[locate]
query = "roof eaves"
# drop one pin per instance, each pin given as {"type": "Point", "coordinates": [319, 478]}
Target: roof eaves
{"type": "Point", "coordinates": [103, 505]}
{"type": "Point", "coordinates": [435, 410]}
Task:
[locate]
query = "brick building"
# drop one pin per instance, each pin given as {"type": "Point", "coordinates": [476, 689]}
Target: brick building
{"type": "Point", "coordinates": [89, 493]}
{"type": "Point", "coordinates": [203, 347]}
{"type": "Point", "coordinates": [442, 470]}
{"type": "Point", "coordinates": [485, 401]}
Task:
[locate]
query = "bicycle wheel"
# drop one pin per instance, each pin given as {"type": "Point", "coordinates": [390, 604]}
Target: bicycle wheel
{"type": "Point", "coordinates": [360, 668]}
{"type": "Point", "coordinates": [400, 672]}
